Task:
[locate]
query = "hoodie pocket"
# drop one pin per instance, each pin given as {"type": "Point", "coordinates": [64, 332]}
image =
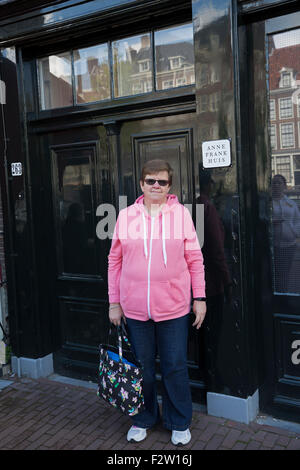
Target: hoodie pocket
{"type": "Point", "coordinates": [165, 297]}
{"type": "Point", "coordinates": [134, 297]}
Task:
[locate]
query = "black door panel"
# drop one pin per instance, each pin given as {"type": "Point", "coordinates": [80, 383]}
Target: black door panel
{"type": "Point", "coordinates": [83, 174]}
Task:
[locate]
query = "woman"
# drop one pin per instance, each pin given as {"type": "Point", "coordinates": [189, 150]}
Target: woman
{"type": "Point", "coordinates": [154, 260]}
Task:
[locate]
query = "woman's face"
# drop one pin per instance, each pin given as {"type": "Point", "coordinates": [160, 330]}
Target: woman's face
{"type": "Point", "coordinates": [155, 194]}
{"type": "Point", "coordinates": [278, 187]}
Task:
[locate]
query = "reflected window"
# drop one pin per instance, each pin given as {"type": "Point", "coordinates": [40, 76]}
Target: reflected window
{"type": "Point", "coordinates": [132, 65]}
{"type": "Point", "coordinates": [273, 136]}
{"type": "Point", "coordinates": [174, 57]}
{"type": "Point", "coordinates": [203, 103]}
{"type": "Point", "coordinates": [55, 81]}
{"type": "Point", "coordinates": [285, 108]}
{"type": "Point", "coordinates": [167, 84]}
{"type": "Point", "coordinates": [214, 101]}
{"type": "Point", "coordinates": [283, 166]}
{"type": "Point", "coordinates": [285, 79]}
{"type": "Point", "coordinates": [75, 212]}
{"type": "Point", "coordinates": [204, 75]}
{"type": "Point", "coordinates": [272, 110]}
{"type": "Point", "coordinates": [284, 71]}
{"type": "Point", "coordinates": [92, 76]}
{"type": "Point", "coordinates": [287, 135]}
{"type": "Point", "coordinates": [297, 170]}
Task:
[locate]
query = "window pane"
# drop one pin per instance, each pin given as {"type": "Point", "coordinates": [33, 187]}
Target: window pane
{"type": "Point", "coordinates": [283, 166]}
{"type": "Point", "coordinates": [273, 136]}
{"type": "Point", "coordinates": [272, 110]}
{"type": "Point", "coordinates": [174, 57]}
{"type": "Point", "coordinates": [286, 79]}
{"type": "Point", "coordinates": [55, 81]}
{"type": "Point", "coordinates": [284, 50]}
{"type": "Point", "coordinates": [132, 65]}
{"type": "Point", "coordinates": [286, 108]}
{"type": "Point", "coordinates": [92, 74]}
{"type": "Point", "coordinates": [287, 135]}
{"type": "Point", "coordinates": [76, 222]}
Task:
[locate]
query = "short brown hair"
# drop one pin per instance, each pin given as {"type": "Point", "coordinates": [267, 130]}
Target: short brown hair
{"type": "Point", "coordinates": [155, 166]}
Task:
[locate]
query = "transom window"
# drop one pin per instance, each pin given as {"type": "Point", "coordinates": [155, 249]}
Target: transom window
{"type": "Point", "coordinates": [118, 68]}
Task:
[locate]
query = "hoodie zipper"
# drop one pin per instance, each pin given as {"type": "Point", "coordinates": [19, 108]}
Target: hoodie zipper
{"type": "Point", "coordinates": [149, 266]}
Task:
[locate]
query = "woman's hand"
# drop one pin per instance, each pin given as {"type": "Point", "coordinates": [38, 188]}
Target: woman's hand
{"type": "Point", "coordinates": [115, 314]}
{"type": "Point", "coordinates": [199, 309]}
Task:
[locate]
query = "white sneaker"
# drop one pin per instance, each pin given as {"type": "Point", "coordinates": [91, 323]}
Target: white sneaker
{"type": "Point", "coordinates": [136, 434]}
{"type": "Point", "coordinates": [181, 437]}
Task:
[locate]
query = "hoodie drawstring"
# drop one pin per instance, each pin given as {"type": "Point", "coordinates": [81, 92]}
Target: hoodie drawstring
{"type": "Point", "coordinates": [163, 238]}
{"type": "Point", "coordinates": [145, 237]}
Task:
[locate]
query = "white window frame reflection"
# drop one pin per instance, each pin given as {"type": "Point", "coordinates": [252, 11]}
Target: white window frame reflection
{"type": "Point", "coordinates": [175, 62]}
{"type": "Point", "coordinates": [285, 79]}
{"type": "Point", "coordinates": [281, 162]}
{"type": "Point", "coordinates": [272, 110]}
{"type": "Point", "coordinates": [298, 106]}
{"type": "Point", "coordinates": [286, 111]}
{"type": "Point", "coordinates": [142, 64]}
{"type": "Point", "coordinates": [166, 84]}
{"type": "Point", "coordinates": [273, 136]}
{"type": "Point", "coordinates": [181, 81]}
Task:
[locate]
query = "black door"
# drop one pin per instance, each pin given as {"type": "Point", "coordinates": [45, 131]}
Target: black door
{"type": "Point", "coordinates": [174, 139]}
{"type": "Point", "coordinates": [279, 211]}
{"type": "Point", "coordinates": [76, 174]}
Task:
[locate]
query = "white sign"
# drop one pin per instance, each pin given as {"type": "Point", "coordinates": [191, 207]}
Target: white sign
{"type": "Point", "coordinates": [16, 169]}
{"type": "Point", "coordinates": [216, 153]}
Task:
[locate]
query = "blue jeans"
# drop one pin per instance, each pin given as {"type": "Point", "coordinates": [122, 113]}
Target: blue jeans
{"type": "Point", "coordinates": [169, 339]}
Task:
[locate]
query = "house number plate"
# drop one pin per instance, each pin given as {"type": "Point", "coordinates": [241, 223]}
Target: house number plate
{"type": "Point", "coordinates": [16, 169]}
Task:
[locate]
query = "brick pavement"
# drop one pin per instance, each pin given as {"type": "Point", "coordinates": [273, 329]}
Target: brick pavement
{"type": "Point", "coordinates": [43, 414]}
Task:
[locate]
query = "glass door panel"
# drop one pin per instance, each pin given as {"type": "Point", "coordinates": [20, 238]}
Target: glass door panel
{"type": "Point", "coordinates": [284, 85]}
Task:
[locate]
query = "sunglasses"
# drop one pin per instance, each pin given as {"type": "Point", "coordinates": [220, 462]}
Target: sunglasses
{"type": "Point", "coordinates": [151, 182]}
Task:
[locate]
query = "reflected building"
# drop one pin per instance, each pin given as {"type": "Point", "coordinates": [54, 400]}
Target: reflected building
{"type": "Point", "coordinates": [284, 63]}
{"type": "Point", "coordinates": [174, 65]}
{"type": "Point", "coordinates": [92, 74]}
{"type": "Point", "coordinates": [55, 79]}
{"type": "Point", "coordinates": [284, 128]}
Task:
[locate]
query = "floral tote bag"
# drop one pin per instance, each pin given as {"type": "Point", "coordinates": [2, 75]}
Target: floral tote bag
{"type": "Point", "coordinates": [120, 376]}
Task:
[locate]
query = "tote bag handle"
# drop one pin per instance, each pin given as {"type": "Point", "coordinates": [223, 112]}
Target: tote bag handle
{"type": "Point", "coordinates": [122, 336]}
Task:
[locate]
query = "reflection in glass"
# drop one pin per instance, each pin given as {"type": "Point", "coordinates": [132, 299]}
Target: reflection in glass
{"type": "Point", "coordinates": [284, 66]}
{"type": "Point", "coordinates": [92, 74]}
{"type": "Point", "coordinates": [132, 65]}
{"type": "Point", "coordinates": [174, 57]}
{"type": "Point", "coordinates": [76, 220]}
{"type": "Point", "coordinates": [55, 80]}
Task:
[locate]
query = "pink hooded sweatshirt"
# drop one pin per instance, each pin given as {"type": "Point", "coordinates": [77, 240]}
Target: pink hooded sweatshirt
{"type": "Point", "coordinates": [154, 262]}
